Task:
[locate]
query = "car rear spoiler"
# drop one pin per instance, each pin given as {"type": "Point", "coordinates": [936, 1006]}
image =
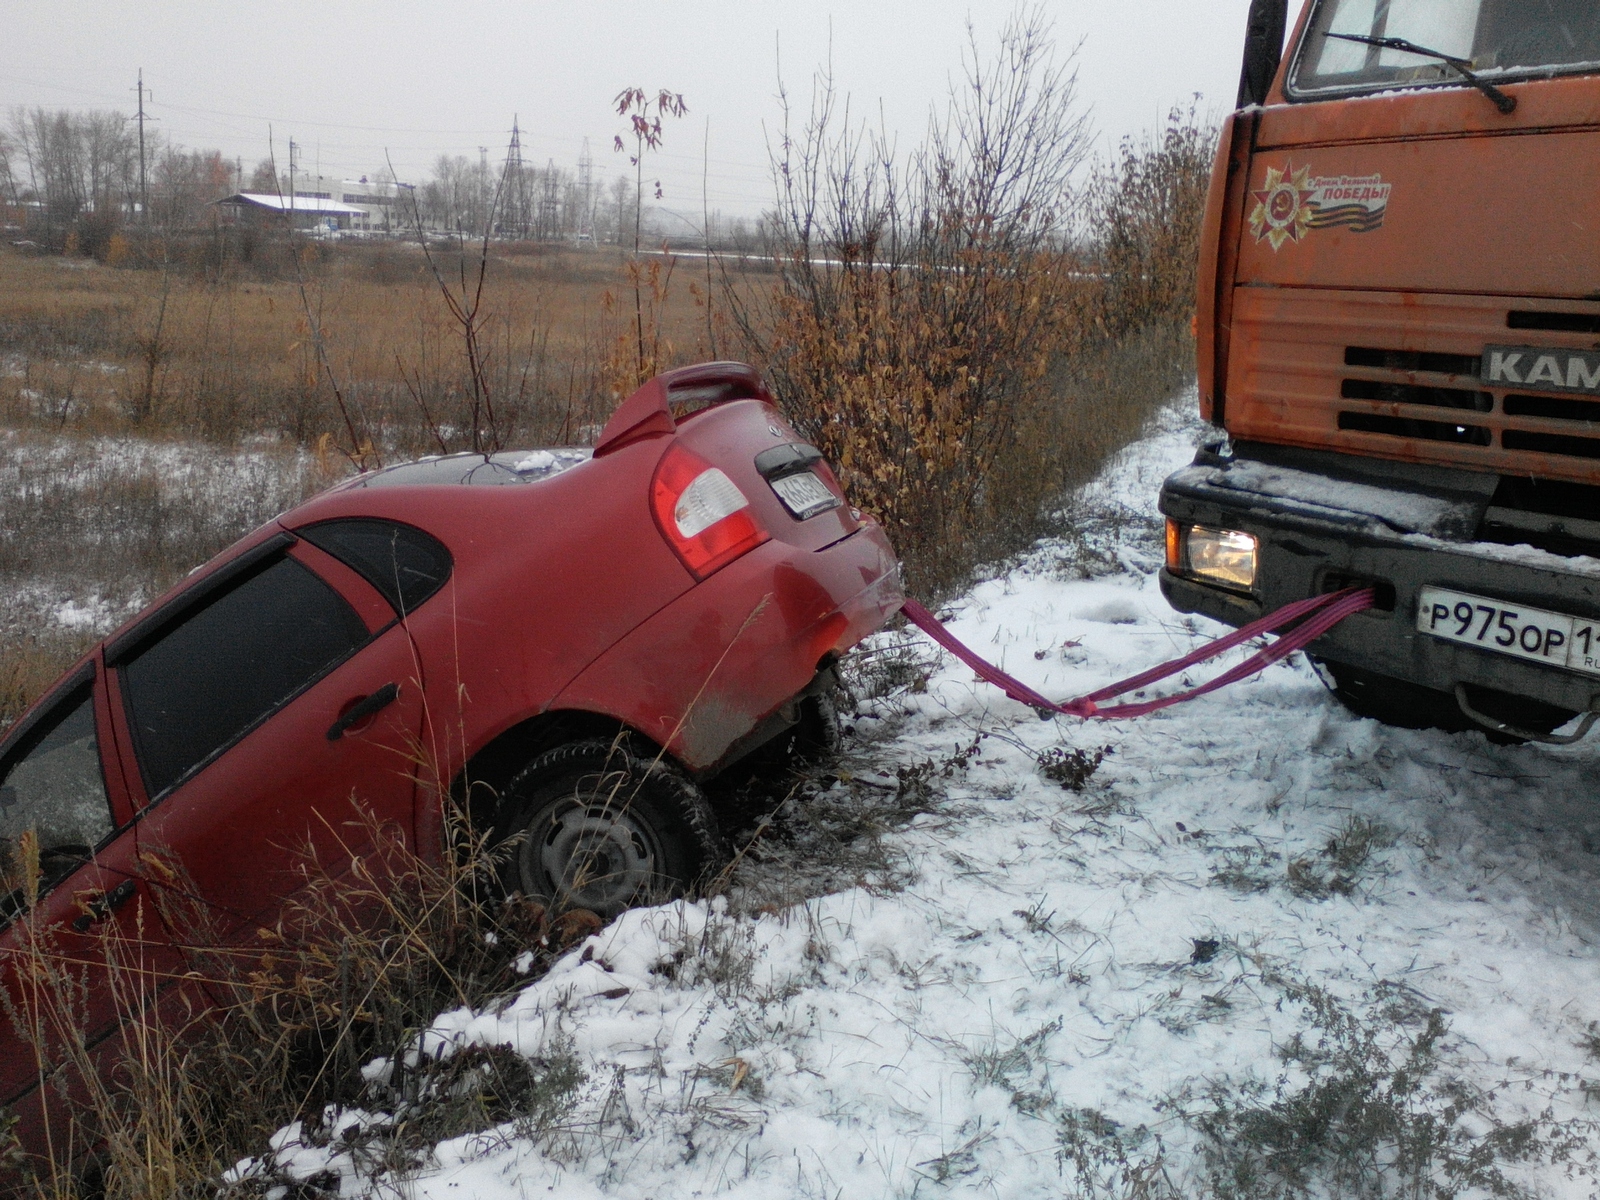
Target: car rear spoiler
{"type": "Point", "coordinates": [657, 407]}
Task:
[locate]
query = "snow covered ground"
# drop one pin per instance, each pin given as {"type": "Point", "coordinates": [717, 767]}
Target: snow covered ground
{"type": "Point", "coordinates": [138, 513]}
{"type": "Point", "coordinates": [1260, 922]}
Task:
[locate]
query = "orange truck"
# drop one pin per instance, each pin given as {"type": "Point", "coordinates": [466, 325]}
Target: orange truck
{"type": "Point", "coordinates": [1399, 351]}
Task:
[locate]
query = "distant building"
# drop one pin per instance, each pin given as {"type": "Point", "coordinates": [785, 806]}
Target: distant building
{"type": "Point", "coordinates": [384, 206]}
{"type": "Point", "coordinates": [304, 212]}
{"type": "Point", "coordinates": [318, 200]}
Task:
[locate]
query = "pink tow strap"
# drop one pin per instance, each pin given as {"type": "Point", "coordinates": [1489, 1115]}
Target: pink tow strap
{"type": "Point", "coordinates": [1297, 625]}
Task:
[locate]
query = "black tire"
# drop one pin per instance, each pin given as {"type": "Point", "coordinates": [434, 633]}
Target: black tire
{"type": "Point", "coordinates": [1412, 706]}
{"type": "Point", "coordinates": [597, 825]}
{"type": "Point", "coordinates": [816, 737]}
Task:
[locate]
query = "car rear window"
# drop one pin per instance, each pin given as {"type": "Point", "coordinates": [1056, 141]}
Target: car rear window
{"type": "Point", "coordinates": [402, 562]}
{"type": "Point", "coordinates": [201, 684]}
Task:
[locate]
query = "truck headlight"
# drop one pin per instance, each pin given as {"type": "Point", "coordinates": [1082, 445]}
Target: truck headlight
{"type": "Point", "coordinates": [1224, 556]}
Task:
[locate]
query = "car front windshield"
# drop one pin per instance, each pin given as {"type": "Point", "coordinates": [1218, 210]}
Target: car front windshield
{"type": "Point", "coordinates": [1497, 39]}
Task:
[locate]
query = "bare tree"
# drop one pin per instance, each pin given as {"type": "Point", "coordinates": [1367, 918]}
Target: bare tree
{"type": "Point", "coordinates": [645, 114]}
{"type": "Point", "coordinates": [77, 167]}
{"type": "Point", "coordinates": [10, 184]}
{"type": "Point", "coordinates": [923, 297]}
{"type": "Point", "coordinates": [264, 179]}
{"type": "Point", "coordinates": [617, 211]}
{"type": "Point", "coordinates": [459, 196]}
{"type": "Point", "coordinates": [464, 299]}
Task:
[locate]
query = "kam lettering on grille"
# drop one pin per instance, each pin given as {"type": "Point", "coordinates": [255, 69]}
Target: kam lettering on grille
{"type": "Point", "coordinates": [1543, 369]}
{"type": "Point", "coordinates": [1555, 639]}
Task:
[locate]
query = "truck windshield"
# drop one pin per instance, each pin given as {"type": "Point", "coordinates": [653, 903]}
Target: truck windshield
{"type": "Point", "coordinates": [1495, 39]}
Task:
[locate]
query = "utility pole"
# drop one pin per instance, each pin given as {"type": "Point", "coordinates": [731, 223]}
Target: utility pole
{"type": "Point", "coordinates": [483, 187]}
{"type": "Point", "coordinates": [291, 182]}
{"type": "Point", "coordinates": [586, 193]}
{"type": "Point", "coordinates": [549, 203]}
{"type": "Point", "coordinates": [144, 199]}
{"type": "Point", "coordinates": [514, 188]}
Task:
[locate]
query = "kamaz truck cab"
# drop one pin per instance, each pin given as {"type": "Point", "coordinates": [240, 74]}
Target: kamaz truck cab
{"type": "Point", "coordinates": [1399, 347]}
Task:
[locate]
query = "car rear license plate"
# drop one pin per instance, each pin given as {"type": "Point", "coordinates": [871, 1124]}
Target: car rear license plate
{"type": "Point", "coordinates": [805, 495]}
{"type": "Point", "coordinates": [1555, 639]}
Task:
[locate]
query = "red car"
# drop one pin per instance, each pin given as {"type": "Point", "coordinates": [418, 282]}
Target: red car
{"type": "Point", "coordinates": [520, 627]}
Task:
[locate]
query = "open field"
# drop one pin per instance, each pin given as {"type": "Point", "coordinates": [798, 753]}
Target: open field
{"type": "Point", "coordinates": [148, 417]}
{"type": "Point", "coordinates": [190, 351]}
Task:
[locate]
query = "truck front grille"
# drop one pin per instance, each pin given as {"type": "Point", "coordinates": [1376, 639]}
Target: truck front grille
{"type": "Point", "coordinates": [1411, 393]}
{"type": "Point", "coordinates": [1550, 443]}
{"type": "Point", "coordinates": [1375, 373]}
{"type": "Point", "coordinates": [1410, 427]}
{"type": "Point", "coordinates": [1411, 360]}
{"type": "Point", "coordinates": [1556, 408]}
{"type": "Point", "coordinates": [1554, 322]}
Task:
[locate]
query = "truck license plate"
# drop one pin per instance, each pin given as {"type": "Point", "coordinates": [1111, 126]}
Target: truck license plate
{"type": "Point", "coordinates": [805, 495]}
{"type": "Point", "coordinates": [1554, 639]}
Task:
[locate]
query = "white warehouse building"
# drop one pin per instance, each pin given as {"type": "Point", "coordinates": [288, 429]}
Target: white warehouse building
{"type": "Point", "coordinates": [381, 206]}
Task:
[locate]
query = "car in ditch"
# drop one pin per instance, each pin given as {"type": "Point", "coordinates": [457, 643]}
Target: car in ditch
{"type": "Point", "coordinates": [569, 642]}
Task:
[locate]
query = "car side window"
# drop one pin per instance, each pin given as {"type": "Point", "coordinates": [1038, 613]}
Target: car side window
{"type": "Point", "coordinates": [54, 809]}
{"type": "Point", "coordinates": [403, 563]}
{"type": "Point", "coordinates": [200, 685]}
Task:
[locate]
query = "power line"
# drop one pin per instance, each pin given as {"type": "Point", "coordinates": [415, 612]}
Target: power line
{"type": "Point", "coordinates": [473, 134]}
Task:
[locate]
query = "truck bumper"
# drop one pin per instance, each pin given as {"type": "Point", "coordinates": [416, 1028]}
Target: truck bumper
{"type": "Point", "coordinates": [1315, 539]}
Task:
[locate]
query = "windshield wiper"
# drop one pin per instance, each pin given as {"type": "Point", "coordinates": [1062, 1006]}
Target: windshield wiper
{"type": "Point", "coordinates": [1506, 104]}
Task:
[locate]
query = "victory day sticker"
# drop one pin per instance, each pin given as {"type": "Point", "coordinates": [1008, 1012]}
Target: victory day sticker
{"type": "Point", "coordinates": [1293, 202]}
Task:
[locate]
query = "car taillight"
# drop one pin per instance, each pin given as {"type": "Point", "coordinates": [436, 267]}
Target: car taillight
{"type": "Point", "coordinates": [702, 513]}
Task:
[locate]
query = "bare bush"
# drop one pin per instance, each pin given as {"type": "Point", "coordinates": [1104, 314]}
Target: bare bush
{"type": "Point", "coordinates": [1144, 210]}
{"type": "Point", "coordinates": [1369, 1102]}
{"type": "Point", "coordinates": [921, 302]}
{"type": "Point", "coordinates": [961, 332]}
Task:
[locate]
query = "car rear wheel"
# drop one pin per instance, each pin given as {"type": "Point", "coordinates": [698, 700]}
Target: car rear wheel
{"type": "Point", "coordinates": [597, 825]}
{"type": "Point", "coordinates": [817, 736]}
{"type": "Point", "coordinates": [1412, 706]}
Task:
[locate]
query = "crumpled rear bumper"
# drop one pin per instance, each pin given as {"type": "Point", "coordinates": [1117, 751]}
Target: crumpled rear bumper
{"type": "Point", "coordinates": [702, 674]}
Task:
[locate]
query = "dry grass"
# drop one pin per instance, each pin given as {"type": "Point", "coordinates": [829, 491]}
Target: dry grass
{"type": "Point", "coordinates": [30, 660]}
{"type": "Point", "coordinates": [136, 515]}
{"type": "Point", "coordinates": [184, 350]}
{"type": "Point", "coordinates": [358, 966]}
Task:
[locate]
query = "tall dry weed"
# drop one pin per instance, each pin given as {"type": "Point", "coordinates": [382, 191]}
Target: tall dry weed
{"type": "Point", "coordinates": [277, 1030]}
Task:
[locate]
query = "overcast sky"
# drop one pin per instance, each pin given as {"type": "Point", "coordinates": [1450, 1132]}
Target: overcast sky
{"type": "Point", "coordinates": [351, 79]}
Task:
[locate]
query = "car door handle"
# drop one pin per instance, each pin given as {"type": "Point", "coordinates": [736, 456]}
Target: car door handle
{"type": "Point", "coordinates": [364, 708]}
{"type": "Point", "coordinates": [102, 906]}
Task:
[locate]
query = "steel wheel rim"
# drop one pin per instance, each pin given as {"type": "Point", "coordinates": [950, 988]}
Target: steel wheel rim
{"type": "Point", "coordinates": [592, 856]}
